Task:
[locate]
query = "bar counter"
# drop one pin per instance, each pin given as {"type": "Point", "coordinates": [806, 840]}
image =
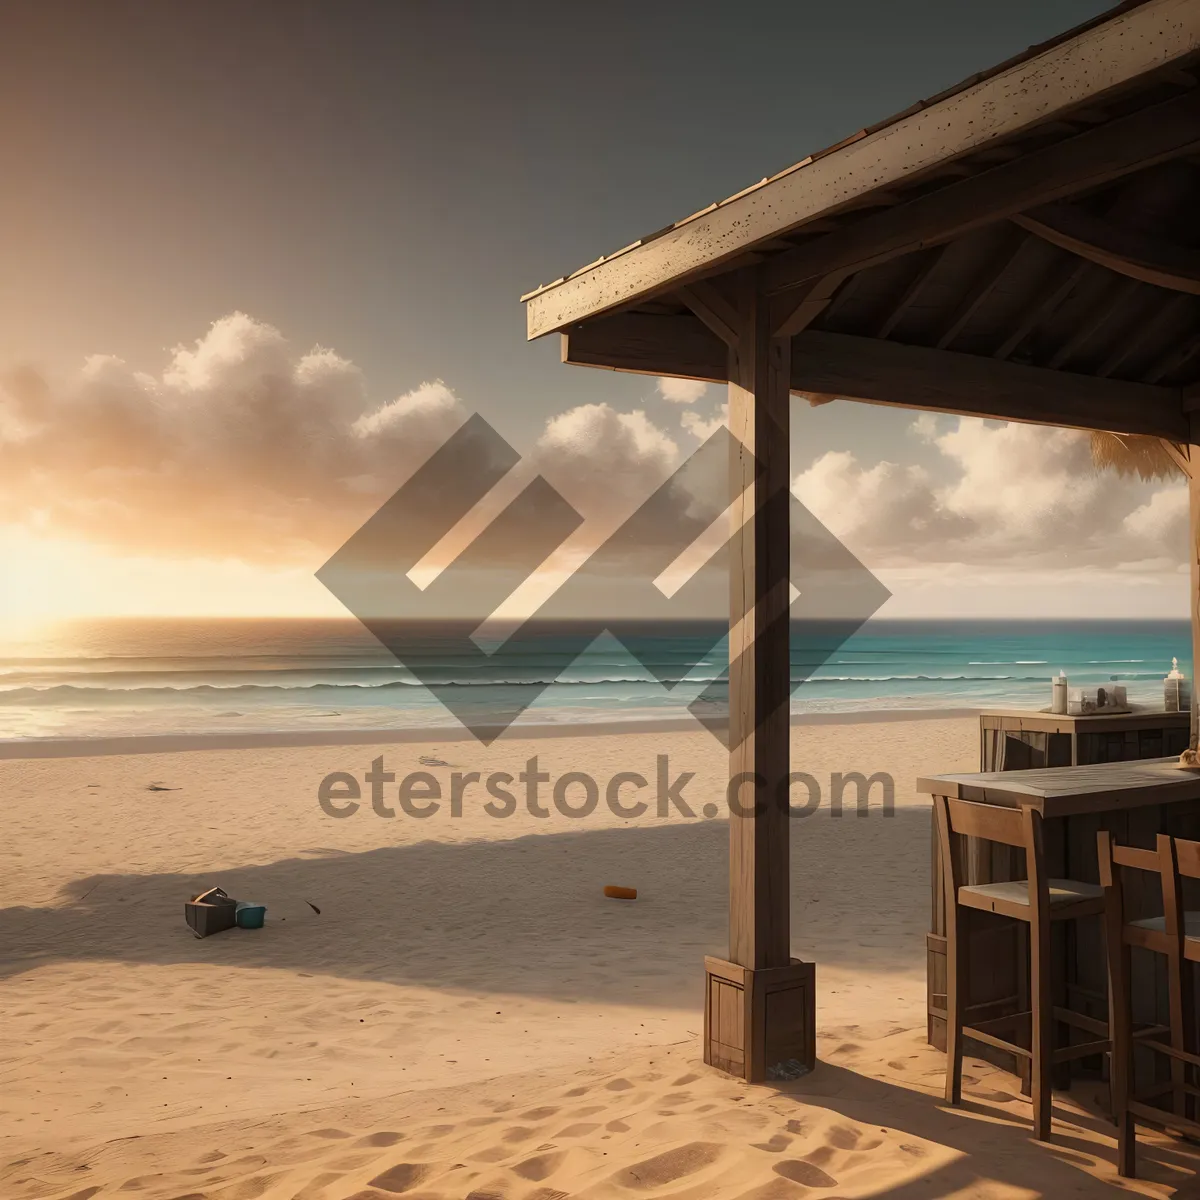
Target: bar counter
{"type": "Point", "coordinates": [1134, 800]}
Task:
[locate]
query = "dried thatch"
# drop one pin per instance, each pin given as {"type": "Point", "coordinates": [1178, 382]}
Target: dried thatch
{"type": "Point", "coordinates": [1133, 455]}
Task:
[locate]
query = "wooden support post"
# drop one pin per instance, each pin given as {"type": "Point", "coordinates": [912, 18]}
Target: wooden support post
{"type": "Point", "coordinates": [1187, 459]}
{"type": "Point", "coordinates": [1194, 563]}
{"type": "Point", "coordinates": [759, 1005]}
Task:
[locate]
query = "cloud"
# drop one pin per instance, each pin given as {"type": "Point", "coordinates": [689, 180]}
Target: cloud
{"type": "Point", "coordinates": [703, 428]}
{"type": "Point", "coordinates": [681, 391]}
{"type": "Point", "coordinates": [602, 461]}
{"type": "Point", "coordinates": [242, 448]}
{"type": "Point", "coordinates": [1011, 494]}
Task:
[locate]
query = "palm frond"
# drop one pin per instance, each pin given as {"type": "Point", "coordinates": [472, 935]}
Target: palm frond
{"type": "Point", "coordinates": [1133, 455]}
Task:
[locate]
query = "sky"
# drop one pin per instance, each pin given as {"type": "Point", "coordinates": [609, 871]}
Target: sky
{"type": "Point", "coordinates": [258, 260]}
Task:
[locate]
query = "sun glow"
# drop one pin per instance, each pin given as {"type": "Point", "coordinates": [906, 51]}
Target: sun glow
{"type": "Point", "coordinates": [48, 578]}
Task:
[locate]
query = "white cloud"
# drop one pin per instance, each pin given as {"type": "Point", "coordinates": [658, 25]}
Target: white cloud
{"type": "Point", "coordinates": [703, 428]}
{"type": "Point", "coordinates": [240, 449]}
{"type": "Point", "coordinates": [681, 391]}
{"type": "Point", "coordinates": [243, 448]}
{"type": "Point", "coordinates": [1022, 496]}
{"type": "Point", "coordinates": [603, 461]}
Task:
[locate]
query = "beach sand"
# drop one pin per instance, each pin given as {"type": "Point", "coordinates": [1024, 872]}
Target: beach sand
{"type": "Point", "coordinates": [467, 1015]}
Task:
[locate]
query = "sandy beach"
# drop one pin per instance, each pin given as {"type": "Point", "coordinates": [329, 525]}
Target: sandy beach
{"type": "Point", "coordinates": [466, 1015]}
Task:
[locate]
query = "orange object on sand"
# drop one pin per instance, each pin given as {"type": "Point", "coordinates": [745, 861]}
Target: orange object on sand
{"type": "Point", "coordinates": [620, 893]}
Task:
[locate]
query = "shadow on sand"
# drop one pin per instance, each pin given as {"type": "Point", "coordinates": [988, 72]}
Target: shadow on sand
{"type": "Point", "coordinates": [433, 913]}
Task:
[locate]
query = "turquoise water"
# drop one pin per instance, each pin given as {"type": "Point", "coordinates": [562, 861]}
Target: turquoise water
{"type": "Point", "coordinates": [199, 676]}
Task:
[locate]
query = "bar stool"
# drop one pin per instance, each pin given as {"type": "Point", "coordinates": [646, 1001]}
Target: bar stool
{"type": "Point", "coordinates": [1038, 901]}
{"type": "Point", "coordinates": [1176, 936]}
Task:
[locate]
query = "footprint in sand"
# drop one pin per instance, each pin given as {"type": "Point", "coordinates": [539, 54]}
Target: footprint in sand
{"type": "Point", "coordinates": [799, 1171]}
{"type": "Point", "coordinates": [617, 1127]}
{"type": "Point", "coordinates": [684, 1080]}
{"type": "Point", "coordinates": [491, 1154]}
{"type": "Point", "coordinates": [579, 1129]}
{"type": "Point", "coordinates": [518, 1133]}
{"type": "Point", "coordinates": [403, 1177]}
{"type": "Point", "coordinates": [385, 1137]}
{"type": "Point", "coordinates": [844, 1137]}
{"type": "Point", "coordinates": [539, 1114]}
{"type": "Point", "coordinates": [776, 1145]}
{"type": "Point", "coordinates": [618, 1085]}
{"type": "Point", "coordinates": [329, 1133]}
{"type": "Point", "coordinates": [779, 1189]}
{"type": "Point", "coordinates": [669, 1166]}
{"type": "Point", "coordinates": [588, 1110]}
{"type": "Point", "coordinates": [540, 1167]}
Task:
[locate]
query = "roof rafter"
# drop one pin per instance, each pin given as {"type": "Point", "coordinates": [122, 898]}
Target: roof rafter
{"type": "Point", "coordinates": [1103, 154]}
{"type": "Point", "coordinates": [1079, 71]}
{"type": "Point", "coordinates": [1126, 251]}
{"type": "Point", "coordinates": [881, 372]}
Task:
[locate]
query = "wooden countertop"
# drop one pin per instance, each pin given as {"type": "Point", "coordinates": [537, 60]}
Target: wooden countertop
{"type": "Point", "coordinates": [1068, 791]}
{"type": "Point", "coordinates": [1017, 719]}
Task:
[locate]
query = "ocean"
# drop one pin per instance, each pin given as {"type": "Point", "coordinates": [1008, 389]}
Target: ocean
{"type": "Point", "coordinates": [194, 676]}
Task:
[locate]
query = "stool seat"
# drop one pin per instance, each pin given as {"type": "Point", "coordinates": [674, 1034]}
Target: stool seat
{"type": "Point", "coordinates": [1016, 891]}
{"type": "Point", "coordinates": [1045, 1029]}
{"type": "Point", "coordinates": [1191, 924]}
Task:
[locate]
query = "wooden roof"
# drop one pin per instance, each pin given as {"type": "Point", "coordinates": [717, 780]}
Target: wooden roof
{"type": "Point", "coordinates": [1025, 245]}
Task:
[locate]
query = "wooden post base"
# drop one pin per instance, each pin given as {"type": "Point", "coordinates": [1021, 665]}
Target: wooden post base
{"type": "Point", "coordinates": [760, 1025]}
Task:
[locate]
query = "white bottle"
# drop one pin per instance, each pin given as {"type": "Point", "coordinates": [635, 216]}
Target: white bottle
{"type": "Point", "coordinates": [1058, 693]}
{"type": "Point", "coordinates": [1174, 695]}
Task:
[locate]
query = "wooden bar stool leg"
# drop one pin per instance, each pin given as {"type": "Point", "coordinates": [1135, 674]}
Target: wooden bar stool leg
{"type": "Point", "coordinates": [1187, 1025]}
{"type": "Point", "coordinates": [1024, 958]}
{"type": "Point", "coordinates": [1120, 1027]}
{"type": "Point", "coordinates": [1042, 1044]}
{"type": "Point", "coordinates": [1061, 956]}
{"type": "Point", "coordinates": [957, 931]}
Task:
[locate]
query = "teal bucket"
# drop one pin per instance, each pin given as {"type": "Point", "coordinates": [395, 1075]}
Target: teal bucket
{"type": "Point", "coordinates": [250, 916]}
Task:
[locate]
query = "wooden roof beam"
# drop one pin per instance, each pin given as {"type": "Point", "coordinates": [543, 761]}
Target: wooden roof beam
{"type": "Point", "coordinates": [881, 372]}
{"type": "Point", "coordinates": [1053, 291]}
{"type": "Point", "coordinates": [970, 385]}
{"type": "Point", "coordinates": [983, 286]}
{"type": "Point", "coordinates": [1152, 135]}
{"type": "Point", "coordinates": [1079, 71]}
{"type": "Point", "coordinates": [896, 314]}
{"type": "Point", "coordinates": [1121, 249]}
{"type": "Point", "coordinates": [1161, 317]}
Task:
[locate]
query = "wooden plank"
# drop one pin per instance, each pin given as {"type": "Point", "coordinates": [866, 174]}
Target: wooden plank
{"type": "Point", "coordinates": [706, 301]}
{"type": "Point", "coordinates": [947, 381]}
{"type": "Point", "coordinates": [835, 364]}
{"type": "Point", "coordinates": [1194, 607]}
{"type": "Point", "coordinates": [1152, 135]}
{"type": "Point", "coordinates": [1119, 248]}
{"type": "Point", "coordinates": [1174, 358]}
{"type": "Point", "coordinates": [1016, 718]}
{"type": "Point", "coordinates": [759, 685]}
{"type": "Point", "coordinates": [1128, 347]}
{"type": "Point", "coordinates": [798, 310]}
{"type": "Point", "coordinates": [910, 293]}
{"type": "Point", "coordinates": [1081, 70]}
{"type": "Point", "coordinates": [1054, 291]}
{"type": "Point", "coordinates": [1066, 791]}
{"type": "Point", "coordinates": [983, 286]}
{"type": "Point", "coordinates": [649, 344]}
{"type": "Point", "coordinates": [1110, 300]}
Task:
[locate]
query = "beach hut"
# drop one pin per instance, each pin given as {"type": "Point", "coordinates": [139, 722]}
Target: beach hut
{"type": "Point", "coordinates": [1023, 246]}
